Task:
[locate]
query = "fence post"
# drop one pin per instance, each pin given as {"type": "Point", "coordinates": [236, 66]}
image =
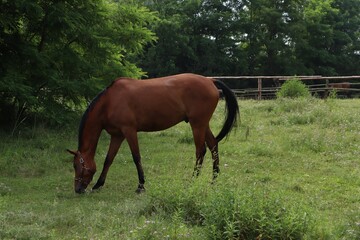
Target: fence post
{"type": "Point", "coordinates": [259, 88]}
{"type": "Point", "coordinates": [326, 94]}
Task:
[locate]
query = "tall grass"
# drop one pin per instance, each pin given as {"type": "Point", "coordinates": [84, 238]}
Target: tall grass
{"type": "Point", "coordinates": [290, 171]}
{"type": "Point", "coordinates": [228, 213]}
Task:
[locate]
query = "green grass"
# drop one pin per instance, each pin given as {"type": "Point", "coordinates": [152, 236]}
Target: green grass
{"type": "Point", "coordinates": [290, 171]}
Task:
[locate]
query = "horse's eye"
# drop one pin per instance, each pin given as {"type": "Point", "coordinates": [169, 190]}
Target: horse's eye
{"type": "Point", "coordinates": [74, 165]}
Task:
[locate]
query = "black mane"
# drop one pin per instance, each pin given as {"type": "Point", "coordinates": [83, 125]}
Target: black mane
{"type": "Point", "coordinates": [86, 113]}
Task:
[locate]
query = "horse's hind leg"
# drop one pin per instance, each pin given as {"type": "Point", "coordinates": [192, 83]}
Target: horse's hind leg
{"type": "Point", "coordinates": [115, 143]}
{"type": "Point", "coordinates": [212, 144]}
{"type": "Point", "coordinates": [199, 139]}
{"type": "Point", "coordinates": [199, 160]}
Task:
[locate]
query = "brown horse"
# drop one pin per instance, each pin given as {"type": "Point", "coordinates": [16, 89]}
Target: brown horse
{"type": "Point", "coordinates": [341, 85]}
{"type": "Point", "coordinates": [128, 106]}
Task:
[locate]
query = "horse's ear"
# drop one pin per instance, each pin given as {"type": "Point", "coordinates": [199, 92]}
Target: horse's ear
{"type": "Point", "coordinates": [71, 152]}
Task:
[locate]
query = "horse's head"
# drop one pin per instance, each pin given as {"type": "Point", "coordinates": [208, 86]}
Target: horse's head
{"type": "Point", "coordinates": [84, 171]}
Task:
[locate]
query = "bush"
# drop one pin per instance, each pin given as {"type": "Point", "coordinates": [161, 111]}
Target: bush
{"type": "Point", "coordinates": [293, 88]}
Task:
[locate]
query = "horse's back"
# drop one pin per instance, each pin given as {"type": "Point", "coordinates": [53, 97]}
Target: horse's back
{"type": "Point", "coordinates": [182, 86]}
{"type": "Point", "coordinates": [160, 103]}
{"type": "Point", "coordinates": [191, 86]}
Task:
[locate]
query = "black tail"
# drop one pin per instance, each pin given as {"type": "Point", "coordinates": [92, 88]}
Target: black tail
{"type": "Point", "coordinates": [232, 109]}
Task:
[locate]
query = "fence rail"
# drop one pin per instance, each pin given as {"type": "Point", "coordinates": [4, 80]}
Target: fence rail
{"type": "Point", "coordinates": [344, 89]}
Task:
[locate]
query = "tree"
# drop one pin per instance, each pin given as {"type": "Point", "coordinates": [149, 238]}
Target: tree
{"type": "Point", "coordinates": [255, 37]}
{"type": "Point", "coordinates": [194, 36]}
{"type": "Point", "coordinates": [315, 53]}
{"type": "Point", "coordinates": [329, 41]}
{"type": "Point", "coordinates": [346, 37]}
{"type": "Point", "coordinates": [54, 54]}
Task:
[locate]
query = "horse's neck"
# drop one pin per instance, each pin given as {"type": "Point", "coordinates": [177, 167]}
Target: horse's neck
{"type": "Point", "coordinates": [90, 136]}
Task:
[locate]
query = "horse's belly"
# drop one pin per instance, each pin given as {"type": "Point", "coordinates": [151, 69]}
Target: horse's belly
{"type": "Point", "coordinates": [158, 121]}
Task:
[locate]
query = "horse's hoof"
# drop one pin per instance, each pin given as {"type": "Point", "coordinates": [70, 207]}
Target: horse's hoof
{"type": "Point", "coordinates": [94, 189]}
{"type": "Point", "coordinates": [80, 190]}
{"type": "Point", "coordinates": [98, 185]}
{"type": "Point", "coordinates": [140, 189]}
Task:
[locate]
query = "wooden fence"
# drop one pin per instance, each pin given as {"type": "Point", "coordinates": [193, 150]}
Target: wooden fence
{"type": "Point", "coordinates": [341, 84]}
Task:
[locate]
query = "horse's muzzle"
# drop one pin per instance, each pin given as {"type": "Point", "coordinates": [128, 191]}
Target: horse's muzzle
{"type": "Point", "coordinates": [80, 185]}
{"type": "Point", "coordinates": [80, 190]}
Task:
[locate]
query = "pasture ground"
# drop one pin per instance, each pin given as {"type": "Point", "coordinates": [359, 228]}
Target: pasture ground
{"type": "Point", "coordinates": [290, 171]}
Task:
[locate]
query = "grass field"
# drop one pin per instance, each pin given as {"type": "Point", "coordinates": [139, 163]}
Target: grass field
{"type": "Point", "coordinates": [290, 171]}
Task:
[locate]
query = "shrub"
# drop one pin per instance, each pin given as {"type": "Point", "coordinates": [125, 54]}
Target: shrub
{"type": "Point", "coordinates": [293, 88]}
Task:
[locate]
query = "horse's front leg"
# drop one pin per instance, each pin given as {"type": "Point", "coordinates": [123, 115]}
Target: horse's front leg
{"type": "Point", "coordinates": [115, 143]}
{"type": "Point", "coordinates": [131, 137]}
{"type": "Point", "coordinates": [137, 161]}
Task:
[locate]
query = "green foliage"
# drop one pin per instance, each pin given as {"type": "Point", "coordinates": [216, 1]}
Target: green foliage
{"type": "Point", "coordinates": [332, 94]}
{"type": "Point", "coordinates": [256, 37]}
{"type": "Point", "coordinates": [57, 55]}
{"type": "Point", "coordinates": [194, 36]}
{"type": "Point", "coordinates": [293, 88]}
